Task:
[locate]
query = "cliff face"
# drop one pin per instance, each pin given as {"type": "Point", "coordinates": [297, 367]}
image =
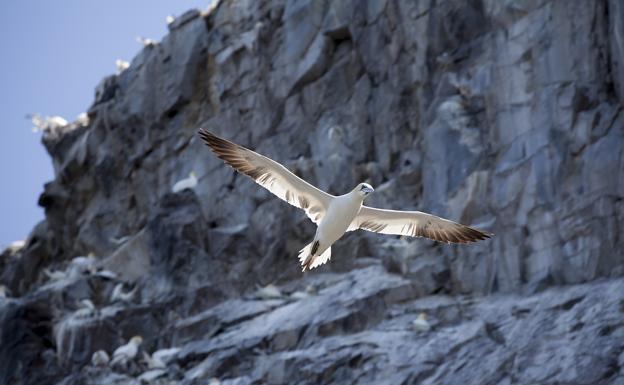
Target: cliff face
{"type": "Point", "coordinates": [502, 114]}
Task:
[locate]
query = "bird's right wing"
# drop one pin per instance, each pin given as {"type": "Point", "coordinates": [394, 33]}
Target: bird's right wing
{"type": "Point", "coordinates": [270, 175]}
{"type": "Point", "coordinates": [415, 224]}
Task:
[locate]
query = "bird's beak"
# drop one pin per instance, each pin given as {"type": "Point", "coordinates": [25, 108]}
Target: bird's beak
{"type": "Point", "coordinates": [368, 190]}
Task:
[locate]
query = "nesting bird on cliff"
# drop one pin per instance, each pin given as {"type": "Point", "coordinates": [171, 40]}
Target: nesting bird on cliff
{"type": "Point", "coordinates": [126, 352]}
{"type": "Point", "coordinates": [335, 215]}
{"type": "Point", "coordinates": [185, 183]}
{"type": "Point", "coordinates": [119, 295]}
{"type": "Point", "coordinates": [100, 358]}
{"type": "Point", "coordinates": [420, 324]}
{"type": "Point", "coordinates": [4, 292]}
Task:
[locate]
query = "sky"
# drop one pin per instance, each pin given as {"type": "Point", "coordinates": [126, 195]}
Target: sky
{"type": "Point", "coordinates": [52, 56]}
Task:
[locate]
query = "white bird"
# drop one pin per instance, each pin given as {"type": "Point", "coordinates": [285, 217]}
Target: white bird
{"type": "Point", "coordinates": [145, 41]}
{"type": "Point", "coordinates": [160, 358]}
{"type": "Point", "coordinates": [4, 292]}
{"type": "Point", "coordinates": [335, 215]}
{"type": "Point", "coordinates": [100, 358]}
{"type": "Point", "coordinates": [299, 295]}
{"type": "Point", "coordinates": [121, 65]}
{"type": "Point", "coordinates": [185, 183]}
{"type": "Point", "coordinates": [420, 324]}
{"type": "Point", "coordinates": [268, 292]}
{"type": "Point", "coordinates": [169, 19]}
{"type": "Point", "coordinates": [82, 119]}
{"type": "Point", "coordinates": [166, 355]}
{"type": "Point", "coordinates": [17, 245]}
{"type": "Point", "coordinates": [46, 123]}
{"type": "Point", "coordinates": [87, 309]}
{"type": "Point", "coordinates": [119, 295]}
{"type": "Point", "coordinates": [153, 363]}
{"type": "Point", "coordinates": [127, 352]}
{"type": "Point", "coordinates": [82, 265]}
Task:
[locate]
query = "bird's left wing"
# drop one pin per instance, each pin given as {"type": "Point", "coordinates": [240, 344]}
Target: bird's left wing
{"type": "Point", "coordinates": [415, 224]}
{"type": "Point", "coordinates": [270, 175]}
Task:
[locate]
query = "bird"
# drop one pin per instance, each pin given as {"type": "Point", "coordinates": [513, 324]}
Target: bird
{"type": "Point", "coordinates": [160, 358]}
{"type": "Point", "coordinates": [4, 291]}
{"type": "Point", "coordinates": [86, 308]}
{"type": "Point", "coordinates": [185, 183]}
{"type": "Point", "coordinates": [100, 358]}
{"type": "Point", "coordinates": [119, 295]}
{"type": "Point", "coordinates": [46, 123]}
{"type": "Point", "coordinates": [334, 215]}
{"type": "Point", "coordinates": [145, 41]}
{"type": "Point", "coordinates": [126, 352]}
{"type": "Point", "coordinates": [269, 291]}
{"type": "Point", "coordinates": [420, 324]}
{"type": "Point", "coordinates": [121, 65]}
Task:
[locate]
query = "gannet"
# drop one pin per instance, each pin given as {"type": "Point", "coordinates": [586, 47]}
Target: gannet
{"type": "Point", "coordinates": [145, 41]}
{"type": "Point", "coordinates": [185, 183]}
{"type": "Point", "coordinates": [420, 324]}
{"type": "Point", "coordinates": [121, 65]}
{"type": "Point", "coordinates": [46, 123]}
{"type": "Point", "coordinates": [160, 358]}
{"type": "Point", "coordinates": [119, 295]}
{"type": "Point", "coordinates": [100, 358]}
{"type": "Point", "coordinates": [269, 291]}
{"type": "Point", "coordinates": [126, 352]}
{"type": "Point", "coordinates": [86, 309]}
{"type": "Point", "coordinates": [4, 292]}
{"type": "Point", "coordinates": [334, 215]}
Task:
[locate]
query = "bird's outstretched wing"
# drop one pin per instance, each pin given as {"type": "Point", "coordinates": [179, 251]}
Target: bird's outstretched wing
{"type": "Point", "coordinates": [415, 224]}
{"type": "Point", "coordinates": [270, 175]}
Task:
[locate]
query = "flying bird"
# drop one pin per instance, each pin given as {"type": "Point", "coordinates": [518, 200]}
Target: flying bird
{"type": "Point", "coordinates": [335, 215]}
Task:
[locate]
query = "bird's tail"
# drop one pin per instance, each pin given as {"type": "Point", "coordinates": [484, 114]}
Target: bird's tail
{"type": "Point", "coordinates": [309, 260]}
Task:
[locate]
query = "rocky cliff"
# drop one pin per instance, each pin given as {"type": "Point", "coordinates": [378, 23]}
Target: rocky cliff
{"type": "Point", "coordinates": [502, 114]}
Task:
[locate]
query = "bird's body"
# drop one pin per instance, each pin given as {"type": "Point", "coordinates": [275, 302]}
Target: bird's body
{"type": "Point", "coordinates": [100, 358]}
{"type": "Point", "coordinates": [185, 183]}
{"type": "Point", "coordinates": [340, 214]}
{"type": "Point", "coordinates": [119, 295]}
{"type": "Point", "coordinates": [335, 215]}
{"type": "Point", "coordinates": [126, 352]}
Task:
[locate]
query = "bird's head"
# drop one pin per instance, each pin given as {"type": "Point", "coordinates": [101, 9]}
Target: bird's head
{"type": "Point", "coordinates": [136, 340]}
{"type": "Point", "coordinates": [363, 189]}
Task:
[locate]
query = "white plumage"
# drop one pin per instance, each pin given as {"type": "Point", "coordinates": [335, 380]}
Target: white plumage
{"type": "Point", "coordinates": [160, 358]}
{"type": "Point", "coordinates": [269, 291]}
{"type": "Point", "coordinates": [126, 352]}
{"type": "Point", "coordinates": [185, 183]}
{"type": "Point", "coordinates": [121, 65]}
{"type": "Point", "coordinates": [420, 324]}
{"type": "Point", "coordinates": [119, 295]}
{"type": "Point", "coordinates": [100, 358]}
{"type": "Point", "coordinates": [4, 292]}
{"type": "Point", "coordinates": [335, 215]}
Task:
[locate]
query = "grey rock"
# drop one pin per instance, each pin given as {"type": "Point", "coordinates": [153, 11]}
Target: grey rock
{"type": "Point", "coordinates": [506, 115]}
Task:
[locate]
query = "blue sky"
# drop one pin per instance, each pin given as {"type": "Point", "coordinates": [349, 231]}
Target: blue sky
{"type": "Point", "coordinates": [54, 53]}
